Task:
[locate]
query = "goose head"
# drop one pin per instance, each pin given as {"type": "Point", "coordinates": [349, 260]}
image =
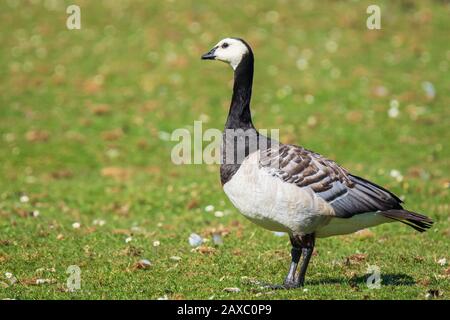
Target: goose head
{"type": "Point", "coordinates": [230, 50]}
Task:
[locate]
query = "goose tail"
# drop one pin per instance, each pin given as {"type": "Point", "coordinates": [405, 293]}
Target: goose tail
{"type": "Point", "coordinates": [415, 220]}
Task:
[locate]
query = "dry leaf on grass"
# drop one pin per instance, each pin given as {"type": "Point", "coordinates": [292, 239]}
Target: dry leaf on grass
{"type": "Point", "coordinates": [364, 234]}
{"type": "Point", "coordinates": [355, 258]}
{"type": "Point", "coordinates": [121, 209]}
{"type": "Point", "coordinates": [152, 170]}
{"type": "Point", "coordinates": [93, 85]}
{"type": "Point", "coordinates": [220, 230]}
{"type": "Point", "coordinates": [37, 136]}
{"type": "Point", "coordinates": [36, 281]}
{"type": "Point", "coordinates": [132, 251]}
{"type": "Point", "coordinates": [204, 250]}
{"type": "Point", "coordinates": [192, 204]}
{"type": "Point", "coordinates": [116, 173]}
{"type": "Point", "coordinates": [142, 144]}
{"type": "Point", "coordinates": [122, 232]}
{"type": "Point", "coordinates": [100, 109]}
{"type": "Point", "coordinates": [5, 242]}
{"type": "Point", "coordinates": [424, 282]}
{"type": "Point", "coordinates": [22, 213]}
{"type": "Point", "coordinates": [112, 135]}
{"type": "Point", "coordinates": [61, 174]}
{"type": "Point", "coordinates": [354, 116]}
{"type": "Point", "coordinates": [177, 296]}
{"type": "Point", "coordinates": [237, 252]}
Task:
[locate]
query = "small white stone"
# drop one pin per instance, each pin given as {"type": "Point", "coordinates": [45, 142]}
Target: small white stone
{"type": "Point", "coordinates": [112, 153]}
{"type": "Point", "coordinates": [203, 118]}
{"type": "Point", "coordinates": [218, 214]}
{"type": "Point", "coordinates": [195, 240]}
{"type": "Point", "coordinates": [394, 103]}
{"type": "Point", "coordinates": [76, 225]}
{"type": "Point", "coordinates": [393, 112]}
{"type": "Point", "coordinates": [217, 239]}
{"type": "Point", "coordinates": [311, 121]}
{"type": "Point", "coordinates": [145, 263]}
{"type": "Point", "coordinates": [156, 243]}
{"type": "Point", "coordinates": [396, 175]}
{"type": "Point", "coordinates": [127, 240]}
{"type": "Point", "coordinates": [35, 213]}
{"type": "Point", "coordinates": [209, 208]}
{"type": "Point", "coordinates": [136, 229]}
{"type": "Point", "coordinates": [428, 87]}
{"type": "Point", "coordinates": [235, 290]}
{"type": "Point", "coordinates": [99, 222]}
{"type": "Point", "coordinates": [24, 199]}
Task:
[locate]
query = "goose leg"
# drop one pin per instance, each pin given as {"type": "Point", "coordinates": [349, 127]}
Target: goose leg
{"type": "Point", "coordinates": [289, 281]}
{"type": "Point", "coordinates": [307, 245]}
{"type": "Point", "coordinates": [301, 246]}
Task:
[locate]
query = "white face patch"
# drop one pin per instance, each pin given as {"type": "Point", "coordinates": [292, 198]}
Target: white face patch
{"type": "Point", "coordinates": [231, 51]}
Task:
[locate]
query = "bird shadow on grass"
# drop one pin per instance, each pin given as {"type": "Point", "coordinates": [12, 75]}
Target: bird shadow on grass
{"type": "Point", "coordinates": [389, 279]}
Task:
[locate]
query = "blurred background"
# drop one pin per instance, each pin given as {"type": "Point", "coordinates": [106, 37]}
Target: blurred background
{"type": "Point", "coordinates": [86, 117]}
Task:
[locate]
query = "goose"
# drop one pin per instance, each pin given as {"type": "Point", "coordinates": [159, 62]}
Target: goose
{"type": "Point", "coordinates": [287, 188]}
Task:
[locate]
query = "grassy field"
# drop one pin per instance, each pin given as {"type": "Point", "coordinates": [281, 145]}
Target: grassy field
{"type": "Point", "coordinates": [86, 177]}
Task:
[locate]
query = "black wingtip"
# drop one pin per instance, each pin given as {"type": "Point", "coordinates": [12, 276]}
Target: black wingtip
{"type": "Point", "coordinates": [415, 220]}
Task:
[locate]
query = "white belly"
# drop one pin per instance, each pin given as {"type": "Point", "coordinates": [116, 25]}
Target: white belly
{"type": "Point", "coordinates": [338, 226]}
{"type": "Point", "coordinates": [274, 204]}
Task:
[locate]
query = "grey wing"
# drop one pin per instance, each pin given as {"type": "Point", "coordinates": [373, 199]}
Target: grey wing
{"type": "Point", "coordinates": [346, 193]}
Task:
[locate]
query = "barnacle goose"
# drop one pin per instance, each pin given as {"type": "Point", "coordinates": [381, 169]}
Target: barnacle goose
{"type": "Point", "coordinates": [288, 188]}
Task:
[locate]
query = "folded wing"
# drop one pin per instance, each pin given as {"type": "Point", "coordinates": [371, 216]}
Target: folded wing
{"type": "Point", "coordinates": [346, 193]}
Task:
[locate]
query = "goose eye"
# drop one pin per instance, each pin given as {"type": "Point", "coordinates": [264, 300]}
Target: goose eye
{"type": "Point", "coordinates": [225, 45]}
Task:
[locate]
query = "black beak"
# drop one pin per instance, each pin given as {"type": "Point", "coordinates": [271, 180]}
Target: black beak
{"type": "Point", "coordinates": [209, 55]}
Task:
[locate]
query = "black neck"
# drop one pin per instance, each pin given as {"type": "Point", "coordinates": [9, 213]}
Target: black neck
{"type": "Point", "coordinates": [239, 116]}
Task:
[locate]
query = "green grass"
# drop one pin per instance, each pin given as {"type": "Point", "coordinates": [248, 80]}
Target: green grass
{"type": "Point", "coordinates": [81, 112]}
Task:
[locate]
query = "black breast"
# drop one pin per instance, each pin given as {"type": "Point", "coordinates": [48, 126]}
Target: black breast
{"type": "Point", "coordinates": [237, 144]}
